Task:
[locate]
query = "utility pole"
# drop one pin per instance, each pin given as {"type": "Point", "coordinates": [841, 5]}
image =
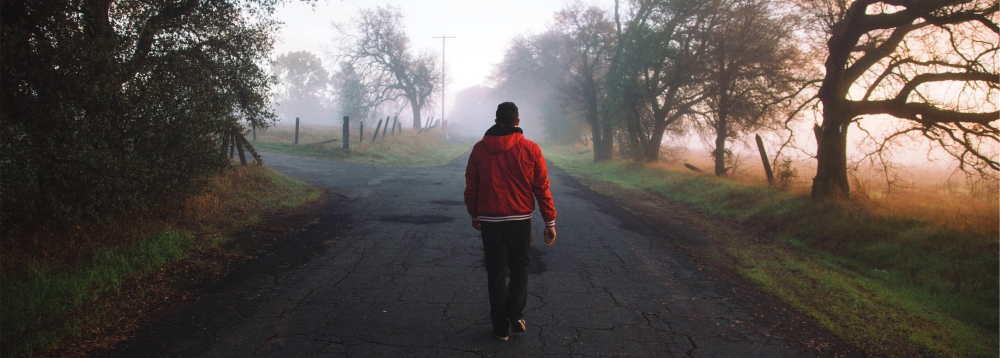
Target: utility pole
{"type": "Point", "coordinates": [443, 38]}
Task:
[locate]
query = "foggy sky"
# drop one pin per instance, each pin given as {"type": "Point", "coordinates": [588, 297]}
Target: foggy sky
{"type": "Point", "coordinates": [483, 29]}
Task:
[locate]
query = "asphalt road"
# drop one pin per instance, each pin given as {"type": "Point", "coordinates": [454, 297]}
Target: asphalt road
{"type": "Point", "coordinates": [394, 269]}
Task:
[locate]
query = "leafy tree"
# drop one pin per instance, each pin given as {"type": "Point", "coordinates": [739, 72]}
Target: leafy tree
{"type": "Point", "coordinates": [302, 83]}
{"type": "Point", "coordinates": [657, 74]}
{"type": "Point", "coordinates": [116, 107]}
{"type": "Point", "coordinates": [534, 74]}
{"type": "Point", "coordinates": [890, 57]}
{"type": "Point", "coordinates": [379, 51]}
{"type": "Point", "coordinates": [589, 38]}
{"type": "Point", "coordinates": [354, 99]}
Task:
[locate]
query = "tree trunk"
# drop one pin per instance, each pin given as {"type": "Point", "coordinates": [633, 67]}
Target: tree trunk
{"type": "Point", "coordinates": [635, 133]}
{"type": "Point", "coordinates": [593, 113]}
{"type": "Point", "coordinates": [604, 149]}
{"type": "Point", "coordinates": [595, 131]}
{"type": "Point", "coordinates": [652, 149]}
{"type": "Point", "coordinates": [416, 113]}
{"type": "Point", "coordinates": [721, 133]}
{"type": "Point", "coordinates": [831, 149]}
{"type": "Point", "coordinates": [831, 155]}
{"type": "Point", "coordinates": [651, 153]}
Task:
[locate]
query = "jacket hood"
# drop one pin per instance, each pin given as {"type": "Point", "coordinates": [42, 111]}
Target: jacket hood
{"type": "Point", "coordinates": [499, 138]}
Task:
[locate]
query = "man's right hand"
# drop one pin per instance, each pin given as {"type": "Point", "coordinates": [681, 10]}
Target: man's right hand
{"type": "Point", "coordinates": [550, 235]}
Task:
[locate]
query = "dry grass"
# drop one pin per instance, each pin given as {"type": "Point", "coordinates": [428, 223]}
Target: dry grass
{"type": "Point", "coordinates": [241, 193]}
{"type": "Point", "coordinates": [408, 148]}
{"type": "Point", "coordinates": [929, 194]}
{"type": "Point", "coordinates": [962, 213]}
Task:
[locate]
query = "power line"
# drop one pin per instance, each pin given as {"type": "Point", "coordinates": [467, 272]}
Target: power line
{"type": "Point", "coordinates": [443, 38]}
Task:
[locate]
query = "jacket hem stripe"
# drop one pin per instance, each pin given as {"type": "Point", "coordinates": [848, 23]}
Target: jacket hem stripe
{"type": "Point", "coordinates": [504, 218]}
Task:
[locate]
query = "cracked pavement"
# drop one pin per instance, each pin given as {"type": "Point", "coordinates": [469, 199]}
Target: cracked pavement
{"type": "Point", "coordinates": [396, 270]}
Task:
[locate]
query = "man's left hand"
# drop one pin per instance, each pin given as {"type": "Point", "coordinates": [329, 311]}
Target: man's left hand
{"type": "Point", "coordinates": [476, 225]}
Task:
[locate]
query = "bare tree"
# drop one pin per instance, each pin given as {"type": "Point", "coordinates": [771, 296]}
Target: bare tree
{"type": "Point", "coordinates": [379, 50]}
{"type": "Point", "coordinates": [897, 58]}
{"type": "Point", "coordinates": [750, 78]}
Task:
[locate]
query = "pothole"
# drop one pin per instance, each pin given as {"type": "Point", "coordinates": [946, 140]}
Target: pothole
{"type": "Point", "coordinates": [537, 266]}
{"type": "Point", "coordinates": [417, 219]}
{"type": "Point", "coordinates": [447, 202]}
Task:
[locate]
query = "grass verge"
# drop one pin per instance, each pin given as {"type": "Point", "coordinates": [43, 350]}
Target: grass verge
{"type": "Point", "coordinates": [48, 305]}
{"type": "Point", "coordinates": [890, 284]}
{"type": "Point", "coordinates": [406, 149]}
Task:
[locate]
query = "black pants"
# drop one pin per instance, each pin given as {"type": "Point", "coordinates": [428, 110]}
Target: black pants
{"type": "Point", "coordinates": [506, 246]}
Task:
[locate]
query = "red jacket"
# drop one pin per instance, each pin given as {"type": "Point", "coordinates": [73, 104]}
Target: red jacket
{"type": "Point", "coordinates": [505, 175]}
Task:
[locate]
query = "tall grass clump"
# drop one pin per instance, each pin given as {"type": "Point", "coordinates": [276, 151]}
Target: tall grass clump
{"type": "Point", "coordinates": [862, 267]}
{"type": "Point", "coordinates": [48, 295]}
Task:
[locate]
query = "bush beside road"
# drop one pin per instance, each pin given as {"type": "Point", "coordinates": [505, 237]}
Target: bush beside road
{"type": "Point", "coordinates": [68, 305]}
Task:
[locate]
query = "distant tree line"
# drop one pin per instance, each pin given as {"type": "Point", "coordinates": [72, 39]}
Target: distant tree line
{"type": "Point", "coordinates": [647, 69]}
{"type": "Point", "coordinates": [376, 73]}
{"type": "Point", "coordinates": [112, 109]}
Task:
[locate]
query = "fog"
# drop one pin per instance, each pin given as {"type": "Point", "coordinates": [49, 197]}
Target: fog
{"type": "Point", "coordinates": [484, 31]}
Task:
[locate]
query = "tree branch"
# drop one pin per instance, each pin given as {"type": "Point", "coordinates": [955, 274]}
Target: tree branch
{"type": "Point", "coordinates": [154, 26]}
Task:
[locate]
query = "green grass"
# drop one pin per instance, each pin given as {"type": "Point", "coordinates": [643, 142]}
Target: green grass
{"type": "Point", "coordinates": [407, 149]}
{"type": "Point", "coordinates": [891, 284]}
{"type": "Point", "coordinates": [37, 300]}
{"type": "Point", "coordinates": [45, 302]}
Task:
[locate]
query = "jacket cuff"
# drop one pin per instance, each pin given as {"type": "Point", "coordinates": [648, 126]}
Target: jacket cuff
{"type": "Point", "coordinates": [550, 223]}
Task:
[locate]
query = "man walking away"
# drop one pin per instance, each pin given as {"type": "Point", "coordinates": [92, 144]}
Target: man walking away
{"type": "Point", "coordinates": [505, 175]}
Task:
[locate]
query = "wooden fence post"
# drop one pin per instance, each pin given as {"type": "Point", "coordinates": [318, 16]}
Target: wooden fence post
{"type": "Point", "coordinates": [361, 133]}
{"type": "Point", "coordinates": [239, 147]}
{"type": "Point", "coordinates": [232, 143]}
{"type": "Point", "coordinates": [296, 130]}
{"type": "Point", "coordinates": [225, 143]}
{"type": "Point", "coordinates": [347, 133]}
{"type": "Point", "coordinates": [253, 152]}
{"type": "Point", "coordinates": [374, 137]}
{"type": "Point", "coordinates": [386, 129]}
{"type": "Point", "coordinates": [763, 158]}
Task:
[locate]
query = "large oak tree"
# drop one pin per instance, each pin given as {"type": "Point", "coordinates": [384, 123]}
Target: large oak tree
{"type": "Point", "coordinates": [897, 58]}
